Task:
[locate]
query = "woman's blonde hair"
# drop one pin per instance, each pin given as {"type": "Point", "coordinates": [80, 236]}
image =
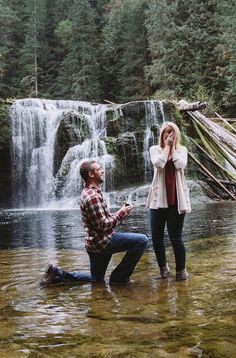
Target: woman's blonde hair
{"type": "Point", "coordinates": [176, 131]}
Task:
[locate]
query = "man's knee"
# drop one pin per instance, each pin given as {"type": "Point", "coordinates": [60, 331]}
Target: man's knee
{"type": "Point", "coordinates": [143, 240]}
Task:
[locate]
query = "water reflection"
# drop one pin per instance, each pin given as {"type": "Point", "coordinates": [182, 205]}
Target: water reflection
{"type": "Point", "coordinates": [64, 230]}
{"type": "Point", "coordinates": [150, 318]}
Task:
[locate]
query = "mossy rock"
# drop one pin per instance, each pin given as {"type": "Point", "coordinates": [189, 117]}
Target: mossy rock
{"type": "Point", "coordinates": [73, 129]}
{"type": "Point", "coordinates": [4, 126]}
{"type": "Point", "coordinates": [128, 159]}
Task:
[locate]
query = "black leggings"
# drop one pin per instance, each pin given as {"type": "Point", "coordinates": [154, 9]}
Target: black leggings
{"type": "Point", "coordinates": [175, 222]}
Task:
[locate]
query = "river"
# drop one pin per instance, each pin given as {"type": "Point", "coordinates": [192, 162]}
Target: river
{"type": "Point", "coordinates": [149, 318]}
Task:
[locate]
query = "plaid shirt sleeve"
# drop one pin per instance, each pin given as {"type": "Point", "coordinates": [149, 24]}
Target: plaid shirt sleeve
{"type": "Point", "coordinates": [98, 215]}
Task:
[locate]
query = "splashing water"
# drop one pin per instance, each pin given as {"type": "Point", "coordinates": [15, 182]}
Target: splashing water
{"type": "Point", "coordinates": [34, 126]}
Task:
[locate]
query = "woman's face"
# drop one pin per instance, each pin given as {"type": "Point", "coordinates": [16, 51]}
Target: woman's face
{"type": "Point", "coordinates": [166, 132]}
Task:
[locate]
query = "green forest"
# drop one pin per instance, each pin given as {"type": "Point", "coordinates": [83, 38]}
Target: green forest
{"type": "Point", "coordinates": [119, 50]}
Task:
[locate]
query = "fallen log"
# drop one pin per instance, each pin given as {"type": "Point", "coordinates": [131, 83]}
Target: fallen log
{"type": "Point", "coordinates": [224, 144]}
{"type": "Point", "coordinates": [227, 138]}
{"type": "Point", "coordinates": [194, 106]}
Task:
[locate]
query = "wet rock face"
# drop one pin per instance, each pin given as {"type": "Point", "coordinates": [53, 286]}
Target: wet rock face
{"type": "Point", "coordinates": [128, 119]}
{"type": "Point", "coordinates": [73, 129]}
{"type": "Point", "coordinates": [134, 115]}
{"type": "Point", "coordinates": [127, 149]}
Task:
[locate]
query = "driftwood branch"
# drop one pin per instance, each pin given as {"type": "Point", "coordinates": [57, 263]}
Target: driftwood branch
{"type": "Point", "coordinates": [210, 191]}
{"type": "Point", "coordinates": [233, 183]}
{"type": "Point", "coordinates": [6, 101]}
{"type": "Point", "coordinates": [112, 103]}
{"type": "Point", "coordinates": [212, 177]}
{"type": "Point", "coordinates": [226, 122]}
{"type": "Point", "coordinates": [227, 173]}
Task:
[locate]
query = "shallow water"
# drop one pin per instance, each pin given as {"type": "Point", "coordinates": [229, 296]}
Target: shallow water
{"type": "Point", "coordinates": [149, 318]}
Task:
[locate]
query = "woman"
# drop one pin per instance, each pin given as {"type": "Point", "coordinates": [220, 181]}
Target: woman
{"type": "Point", "coordinates": [168, 198]}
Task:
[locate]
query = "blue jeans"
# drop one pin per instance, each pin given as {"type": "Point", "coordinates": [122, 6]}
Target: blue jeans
{"type": "Point", "coordinates": [134, 244]}
{"type": "Point", "coordinates": [70, 277]}
{"type": "Point", "coordinates": [175, 221]}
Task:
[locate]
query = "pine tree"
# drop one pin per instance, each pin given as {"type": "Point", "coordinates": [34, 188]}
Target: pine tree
{"type": "Point", "coordinates": [10, 43]}
{"type": "Point", "coordinates": [110, 54]}
{"type": "Point", "coordinates": [227, 53]}
{"type": "Point", "coordinates": [124, 52]}
{"type": "Point", "coordinates": [79, 74]}
{"type": "Point", "coordinates": [53, 51]}
{"type": "Point", "coordinates": [183, 37]}
{"type": "Point", "coordinates": [133, 52]}
{"type": "Point", "coordinates": [34, 47]}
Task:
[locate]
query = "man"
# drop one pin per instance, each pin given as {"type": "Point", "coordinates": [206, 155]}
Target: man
{"type": "Point", "coordinates": [101, 240]}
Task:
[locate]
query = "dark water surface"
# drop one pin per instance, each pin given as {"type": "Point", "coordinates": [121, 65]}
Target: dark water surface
{"type": "Point", "coordinates": [150, 318]}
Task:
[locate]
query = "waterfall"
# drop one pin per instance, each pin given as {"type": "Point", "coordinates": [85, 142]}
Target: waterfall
{"type": "Point", "coordinates": [51, 138]}
{"type": "Point", "coordinates": [34, 125]}
{"type": "Point", "coordinates": [154, 119]}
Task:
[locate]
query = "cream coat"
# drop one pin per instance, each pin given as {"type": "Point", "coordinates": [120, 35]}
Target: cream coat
{"type": "Point", "coordinates": [157, 197]}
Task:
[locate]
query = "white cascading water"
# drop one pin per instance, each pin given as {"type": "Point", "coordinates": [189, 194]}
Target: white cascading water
{"type": "Point", "coordinates": [34, 124]}
{"type": "Point", "coordinates": [154, 117]}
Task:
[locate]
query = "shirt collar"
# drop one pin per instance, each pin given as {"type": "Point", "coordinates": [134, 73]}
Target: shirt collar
{"type": "Point", "coordinates": [98, 190]}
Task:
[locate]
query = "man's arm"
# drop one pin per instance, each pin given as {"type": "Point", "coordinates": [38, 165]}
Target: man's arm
{"type": "Point", "coordinates": [100, 217]}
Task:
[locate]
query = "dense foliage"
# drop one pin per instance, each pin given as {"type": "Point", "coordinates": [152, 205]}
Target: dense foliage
{"type": "Point", "coordinates": [119, 50]}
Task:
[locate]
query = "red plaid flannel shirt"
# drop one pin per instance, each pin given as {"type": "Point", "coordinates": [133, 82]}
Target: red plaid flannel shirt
{"type": "Point", "coordinates": [97, 219]}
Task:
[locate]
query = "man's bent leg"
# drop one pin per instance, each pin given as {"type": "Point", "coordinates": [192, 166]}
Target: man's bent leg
{"type": "Point", "coordinates": [55, 275]}
{"type": "Point", "coordinates": [76, 276]}
{"type": "Point", "coordinates": [134, 244]}
{"type": "Point", "coordinates": [98, 265]}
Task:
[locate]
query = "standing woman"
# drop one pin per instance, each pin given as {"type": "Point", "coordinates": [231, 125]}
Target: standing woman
{"type": "Point", "coordinates": [168, 198]}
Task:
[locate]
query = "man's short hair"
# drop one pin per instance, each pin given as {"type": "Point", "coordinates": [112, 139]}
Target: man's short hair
{"type": "Point", "coordinates": [85, 168]}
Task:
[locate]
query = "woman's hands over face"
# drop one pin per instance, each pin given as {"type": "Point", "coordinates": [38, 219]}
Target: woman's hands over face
{"type": "Point", "coordinates": [169, 139]}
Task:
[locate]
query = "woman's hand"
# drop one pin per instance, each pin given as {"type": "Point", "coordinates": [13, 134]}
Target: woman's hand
{"type": "Point", "coordinates": [169, 140]}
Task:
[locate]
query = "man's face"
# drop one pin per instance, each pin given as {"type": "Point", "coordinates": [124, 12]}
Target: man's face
{"type": "Point", "coordinates": [97, 172]}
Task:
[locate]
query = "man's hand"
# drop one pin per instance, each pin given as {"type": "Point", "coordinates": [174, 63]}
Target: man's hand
{"type": "Point", "coordinates": [127, 208]}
